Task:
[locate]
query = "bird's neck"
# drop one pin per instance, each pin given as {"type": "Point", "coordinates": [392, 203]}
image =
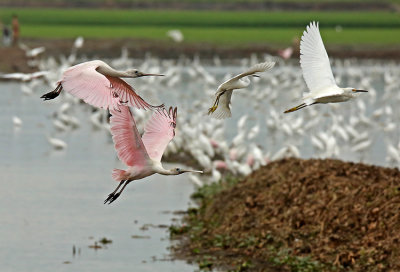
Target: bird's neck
{"type": "Point", "coordinates": [108, 71]}
{"type": "Point", "coordinates": [158, 168]}
{"type": "Point", "coordinates": [167, 172]}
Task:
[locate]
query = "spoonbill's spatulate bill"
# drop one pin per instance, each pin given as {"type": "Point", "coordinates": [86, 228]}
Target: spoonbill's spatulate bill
{"type": "Point", "coordinates": [220, 108]}
{"type": "Point", "coordinates": [101, 86]}
{"type": "Point", "coordinates": [317, 72]}
{"type": "Point", "coordinates": [142, 155]}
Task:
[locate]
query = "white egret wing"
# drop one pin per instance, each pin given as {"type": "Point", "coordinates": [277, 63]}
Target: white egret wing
{"type": "Point", "coordinates": [314, 60]}
{"type": "Point", "coordinates": [257, 68]}
{"type": "Point", "coordinates": [234, 82]}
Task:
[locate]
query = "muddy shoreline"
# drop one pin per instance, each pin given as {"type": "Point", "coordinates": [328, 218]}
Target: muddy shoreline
{"type": "Point", "coordinates": [296, 215]}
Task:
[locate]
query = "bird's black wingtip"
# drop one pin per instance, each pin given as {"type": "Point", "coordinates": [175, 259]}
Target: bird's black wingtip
{"type": "Point", "coordinates": [52, 94]}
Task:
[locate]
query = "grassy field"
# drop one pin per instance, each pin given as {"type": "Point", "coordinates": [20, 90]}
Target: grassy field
{"type": "Point", "coordinates": [213, 27]}
{"type": "Point", "coordinates": [200, 18]}
{"type": "Point", "coordinates": [117, 2]}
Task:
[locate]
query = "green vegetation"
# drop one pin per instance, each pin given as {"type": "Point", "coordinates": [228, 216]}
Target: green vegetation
{"type": "Point", "coordinates": [172, 18]}
{"type": "Point", "coordinates": [224, 27]}
{"type": "Point", "coordinates": [295, 263]}
{"type": "Point", "coordinates": [97, 3]}
{"type": "Point", "coordinates": [105, 241]}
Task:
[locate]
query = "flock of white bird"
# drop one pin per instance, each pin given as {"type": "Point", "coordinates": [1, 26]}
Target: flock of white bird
{"type": "Point", "coordinates": [258, 131]}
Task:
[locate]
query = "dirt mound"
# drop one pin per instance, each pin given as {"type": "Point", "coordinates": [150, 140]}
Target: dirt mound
{"type": "Point", "coordinates": [293, 213]}
{"type": "Point", "coordinates": [14, 60]}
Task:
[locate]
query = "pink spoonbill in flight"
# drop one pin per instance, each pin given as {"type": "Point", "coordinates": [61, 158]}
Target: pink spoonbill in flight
{"type": "Point", "coordinates": [101, 86]}
{"type": "Point", "coordinates": [143, 154]}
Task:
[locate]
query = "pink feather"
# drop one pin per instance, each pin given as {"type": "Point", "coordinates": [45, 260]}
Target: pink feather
{"type": "Point", "coordinates": [127, 141]}
{"type": "Point", "coordinates": [158, 132]}
{"type": "Point", "coordinates": [119, 175]}
{"type": "Point", "coordinates": [103, 91]}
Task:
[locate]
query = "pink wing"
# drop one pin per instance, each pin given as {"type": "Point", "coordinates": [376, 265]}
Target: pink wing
{"type": "Point", "coordinates": [127, 141]}
{"type": "Point", "coordinates": [159, 131]}
{"type": "Point", "coordinates": [101, 91]}
{"type": "Point", "coordinates": [126, 95]}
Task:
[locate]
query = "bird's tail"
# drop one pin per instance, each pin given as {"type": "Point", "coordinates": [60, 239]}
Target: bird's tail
{"type": "Point", "coordinates": [221, 112]}
{"type": "Point", "coordinates": [52, 94]}
{"type": "Point", "coordinates": [118, 174]}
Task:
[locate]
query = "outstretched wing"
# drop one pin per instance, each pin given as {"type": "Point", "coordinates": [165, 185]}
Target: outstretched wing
{"type": "Point", "coordinates": [223, 110]}
{"type": "Point", "coordinates": [257, 68]}
{"type": "Point", "coordinates": [85, 82]}
{"type": "Point", "coordinates": [314, 60]}
{"type": "Point", "coordinates": [126, 95]}
{"type": "Point", "coordinates": [159, 131]}
{"type": "Point", "coordinates": [127, 141]}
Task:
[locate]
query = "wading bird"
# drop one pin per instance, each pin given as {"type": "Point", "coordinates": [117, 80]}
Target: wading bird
{"type": "Point", "coordinates": [220, 108]}
{"type": "Point", "coordinates": [101, 86]}
{"type": "Point", "coordinates": [317, 72]}
{"type": "Point", "coordinates": [141, 155]}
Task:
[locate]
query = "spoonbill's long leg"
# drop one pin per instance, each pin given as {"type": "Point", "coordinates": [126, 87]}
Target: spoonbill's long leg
{"type": "Point", "coordinates": [111, 196]}
{"type": "Point", "coordinates": [114, 195]}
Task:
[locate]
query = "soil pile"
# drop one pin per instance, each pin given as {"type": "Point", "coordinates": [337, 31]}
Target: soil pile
{"type": "Point", "coordinates": [300, 215]}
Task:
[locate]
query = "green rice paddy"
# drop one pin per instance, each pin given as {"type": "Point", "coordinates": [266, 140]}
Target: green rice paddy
{"type": "Point", "coordinates": [208, 26]}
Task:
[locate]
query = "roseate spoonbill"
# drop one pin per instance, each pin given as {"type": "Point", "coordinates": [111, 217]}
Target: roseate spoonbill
{"type": "Point", "coordinates": [286, 53]}
{"type": "Point", "coordinates": [317, 72]}
{"type": "Point", "coordinates": [224, 91]}
{"type": "Point", "coordinates": [141, 155]}
{"type": "Point", "coordinates": [101, 86]}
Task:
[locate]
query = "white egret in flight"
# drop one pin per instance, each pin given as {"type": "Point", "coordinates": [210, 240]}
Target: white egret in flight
{"type": "Point", "coordinates": [317, 72]}
{"type": "Point", "coordinates": [220, 108]}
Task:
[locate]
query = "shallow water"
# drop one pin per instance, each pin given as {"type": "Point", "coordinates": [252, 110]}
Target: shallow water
{"type": "Point", "coordinates": [53, 200]}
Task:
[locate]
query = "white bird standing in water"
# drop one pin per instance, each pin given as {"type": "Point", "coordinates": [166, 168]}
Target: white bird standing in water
{"type": "Point", "coordinates": [220, 108]}
{"type": "Point", "coordinates": [317, 72]}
